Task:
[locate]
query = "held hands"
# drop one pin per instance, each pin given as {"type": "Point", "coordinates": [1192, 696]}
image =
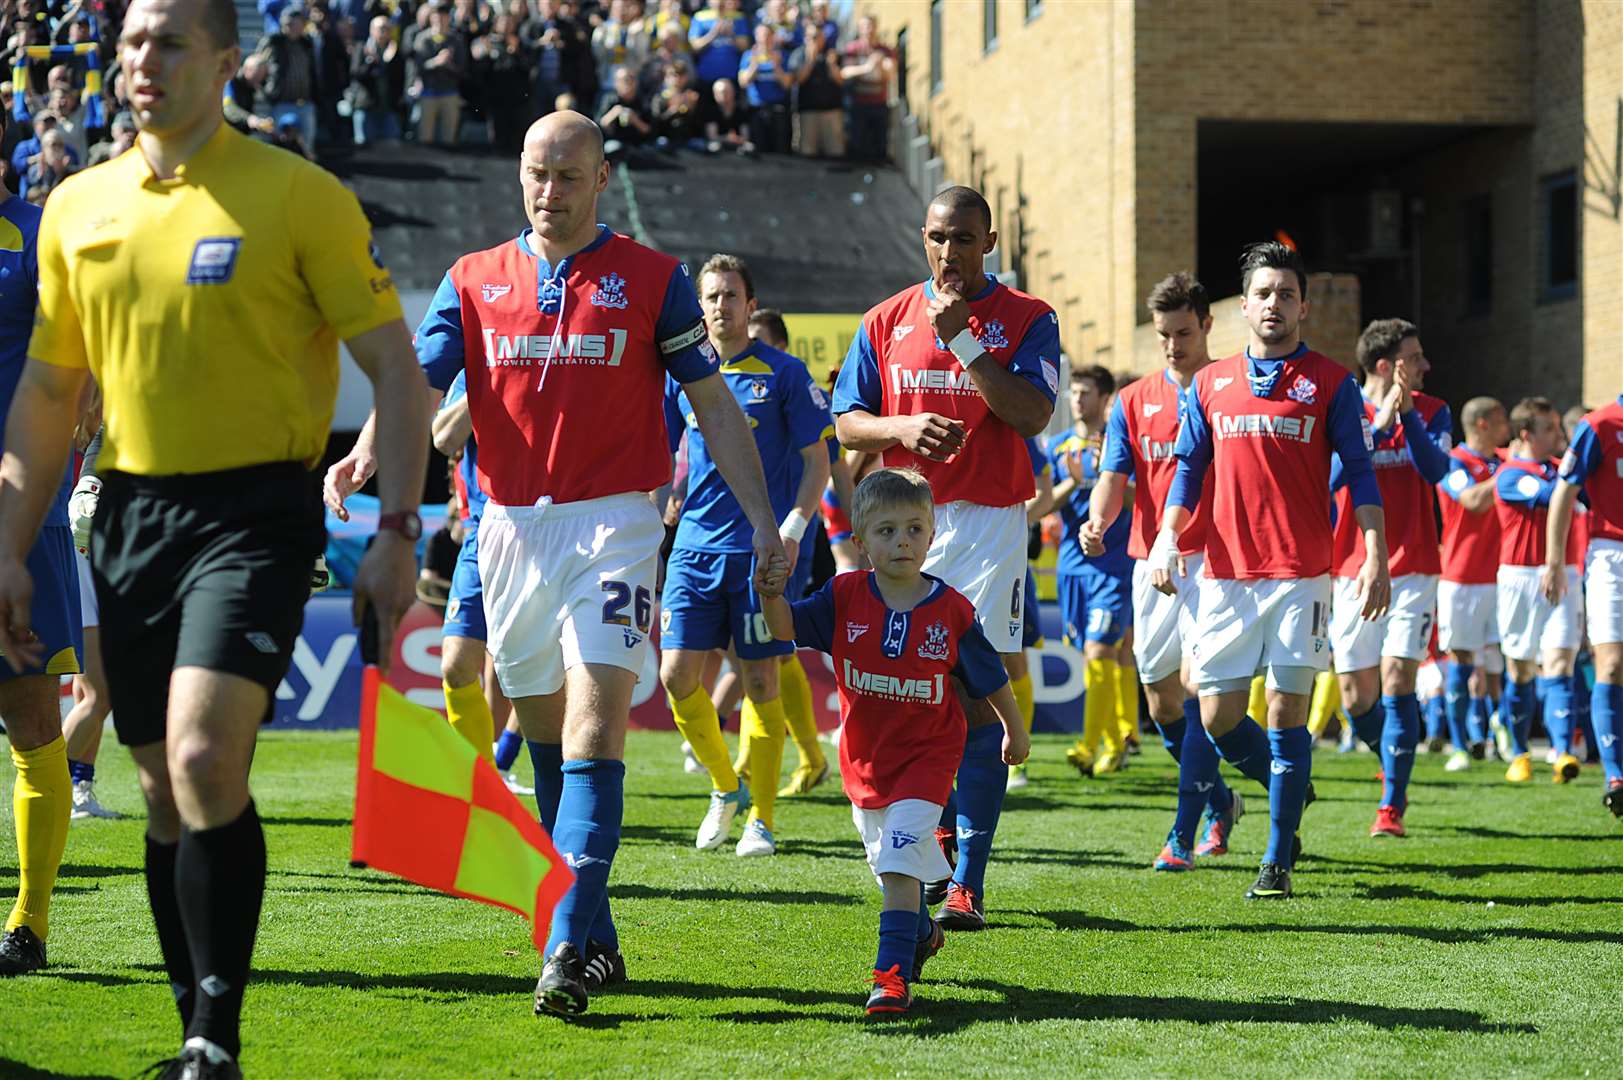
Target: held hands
{"type": "Point", "coordinates": [1016, 746]}
{"type": "Point", "coordinates": [932, 436]}
{"type": "Point", "coordinates": [772, 563]}
{"type": "Point", "coordinates": [949, 313]}
{"type": "Point", "coordinates": [345, 478]}
{"type": "Point", "coordinates": [1091, 535]}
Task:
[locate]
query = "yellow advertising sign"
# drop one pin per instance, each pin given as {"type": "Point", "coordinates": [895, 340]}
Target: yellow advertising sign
{"type": "Point", "coordinates": [821, 340]}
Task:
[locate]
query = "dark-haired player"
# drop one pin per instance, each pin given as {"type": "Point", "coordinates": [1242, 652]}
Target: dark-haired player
{"type": "Point", "coordinates": [1266, 423]}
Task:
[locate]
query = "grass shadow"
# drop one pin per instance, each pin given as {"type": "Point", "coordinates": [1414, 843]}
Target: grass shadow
{"type": "Point", "coordinates": [469, 984]}
{"type": "Point", "coordinates": [1485, 833]}
{"type": "Point", "coordinates": [747, 895]}
{"type": "Point", "coordinates": [19, 1070]}
{"type": "Point", "coordinates": [1410, 892]}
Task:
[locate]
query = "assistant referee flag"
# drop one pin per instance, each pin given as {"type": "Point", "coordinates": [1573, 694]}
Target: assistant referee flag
{"type": "Point", "coordinates": [430, 809]}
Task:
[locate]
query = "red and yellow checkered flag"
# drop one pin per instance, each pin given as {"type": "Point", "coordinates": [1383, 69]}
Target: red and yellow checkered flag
{"type": "Point", "coordinates": [430, 809]}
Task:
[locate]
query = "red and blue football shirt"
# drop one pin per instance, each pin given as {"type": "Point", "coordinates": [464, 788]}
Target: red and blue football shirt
{"type": "Point", "coordinates": [566, 365]}
{"type": "Point", "coordinates": [1267, 430]}
{"type": "Point", "coordinates": [904, 728]}
{"type": "Point", "coordinates": [1595, 460]}
{"type": "Point", "coordinates": [1408, 459]}
{"type": "Point", "coordinates": [1141, 438]}
{"type": "Point", "coordinates": [897, 366]}
{"type": "Point", "coordinates": [1470, 541]}
{"type": "Point", "coordinates": [1522, 491]}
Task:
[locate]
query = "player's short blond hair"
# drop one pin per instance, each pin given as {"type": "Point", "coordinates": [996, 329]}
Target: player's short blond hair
{"type": "Point", "coordinates": [885, 489]}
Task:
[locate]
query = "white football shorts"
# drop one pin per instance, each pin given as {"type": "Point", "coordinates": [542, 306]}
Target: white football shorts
{"type": "Point", "coordinates": [1404, 631]}
{"type": "Point", "coordinates": [1245, 628]}
{"type": "Point", "coordinates": [1528, 624]}
{"type": "Point", "coordinates": [900, 839]}
{"type": "Point", "coordinates": [981, 552]}
{"type": "Point", "coordinates": [1603, 592]}
{"type": "Point", "coordinates": [1467, 616]}
{"type": "Point", "coordinates": [1162, 623]}
{"type": "Point", "coordinates": [568, 584]}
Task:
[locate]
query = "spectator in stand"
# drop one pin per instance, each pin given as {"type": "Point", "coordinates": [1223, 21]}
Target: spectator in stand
{"type": "Point", "coordinates": [471, 18]}
{"type": "Point", "coordinates": [786, 32]}
{"type": "Point", "coordinates": [555, 44]}
{"type": "Point", "coordinates": [673, 49]}
{"type": "Point", "coordinates": [46, 169]}
{"type": "Point", "coordinates": [121, 136]}
{"type": "Point", "coordinates": [677, 109]}
{"type": "Point", "coordinates": [64, 102]}
{"type": "Point", "coordinates": [766, 80]}
{"type": "Point", "coordinates": [615, 46]}
{"type": "Point", "coordinates": [13, 133]}
{"type": "Point", "coordinates": [820, 128]}
{"type": "Point", "coordinates": [672, 13]}
{"type": "Point", "coordinates": [819, 17]}
{"type": "Point", "coordinates": [442, 58]}
{"type": "Point", "coordinates": [290, 72]}
{"type": "Point", "coordinates": [869, 68]}
{"type": "Point", "coordinates": [728, 126]}
{"type": "Point", "coordinates": [625, 121]}
{"type": "Point", "coordinates": [504, 67]}
{"type": "Point", "coordinates": [377, 79]}
{"type": "Point", "coordinates": [60, 77]}
{"type": "Point", "coordinates": [243, 99]}
{"type": "Point", "coordinates": [720, 37]}
{"type": "Point", "coordinates": [45, 122]}
{"type": "Point", "coordinates": [333, 41]}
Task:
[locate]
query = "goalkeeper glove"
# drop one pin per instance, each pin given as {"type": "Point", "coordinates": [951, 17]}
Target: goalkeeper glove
{"type": "Point", "coordinates": [82, 510]}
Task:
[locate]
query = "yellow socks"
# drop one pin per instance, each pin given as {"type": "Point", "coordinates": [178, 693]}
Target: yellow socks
{"type": "Point", "coordinates": [1127, 700]}
{"type": "Point", "coordinates": [469, 714]}
{"type": "Point", "coordinates": [1025, 697]}
{"type": "Point", "coordinates": [763, 729]}
{"type": "Point", "coordinates": [696, 719]}
{"type": "Point", "coordinates": [1101, 686]}
{"type": "Point", "coordinates": [794, 691]}
{"type": "Point", "coordinates": [42, 801]}
{"type": "Point", "coordinates": [1326, 702]}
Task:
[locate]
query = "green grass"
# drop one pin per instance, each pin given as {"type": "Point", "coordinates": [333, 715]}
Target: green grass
{"type": "Point", "coordinates": [1390, 961]}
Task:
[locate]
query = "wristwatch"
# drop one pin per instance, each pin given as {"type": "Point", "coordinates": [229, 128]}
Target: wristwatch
{"type": "Point", "coordinates": [404, 522]}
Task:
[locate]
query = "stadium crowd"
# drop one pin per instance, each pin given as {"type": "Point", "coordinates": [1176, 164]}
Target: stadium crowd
{"type": "Point", "coordinates": [771, 78]}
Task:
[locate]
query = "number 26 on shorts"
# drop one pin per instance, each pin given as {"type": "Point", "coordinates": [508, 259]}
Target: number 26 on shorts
{"type": "Point", "coordinates": [620, 597]}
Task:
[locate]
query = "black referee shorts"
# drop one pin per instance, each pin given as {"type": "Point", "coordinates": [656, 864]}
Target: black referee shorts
{"type": "Point", "coordinates": [207, 570]}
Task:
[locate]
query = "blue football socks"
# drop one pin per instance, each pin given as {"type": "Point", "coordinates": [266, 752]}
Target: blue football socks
{"type": "Point", "coordinates": [1399, 737]}
{"type": "Point", "coordinates": [507, 748]}
{"type": "Point", "coordinates": [1605, 706]}
{"type": "Point", "coordinates": [1457, 701]}
{"type": "Point", "coordinates": [1555, 691]}
{"type": "Point", "coordinates": [1246, 748]}
{"type": "Point", "coordinates": [982, 780]}
{"type": "Point", "coordinates": [1518, 714]}
{"type": "Point", "coordinates": [1367, 726]}
{"type": "Point", "coordinates": [547, 759]}
{"type": "Point", "coordinates": [1287, 791]}
{"type": "Point", "coordinates": [897, 937]}
{"type": "Point", "coordinates": [587, 836]}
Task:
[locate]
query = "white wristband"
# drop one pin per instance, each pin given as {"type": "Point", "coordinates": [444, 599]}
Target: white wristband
{"type": "Point", "coordinates": [966, 347]}
{"type": "Point", "coordinates": [1164, 552]}
{"type": "Point", "coordinates": [794, 525]}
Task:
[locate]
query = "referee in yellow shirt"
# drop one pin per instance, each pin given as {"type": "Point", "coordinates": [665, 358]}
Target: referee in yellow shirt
{"type": "Point", "coordinates": [205, 280]}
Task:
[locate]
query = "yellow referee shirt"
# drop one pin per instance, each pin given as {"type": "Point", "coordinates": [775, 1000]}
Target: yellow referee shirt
{"type": "Point", "coordinates": [208, 307]}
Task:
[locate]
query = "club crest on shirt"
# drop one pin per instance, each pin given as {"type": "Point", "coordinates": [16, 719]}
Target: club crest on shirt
{"type": "Point", "coordinates": [214, 260]}
{"type": "Point", "coordinates": [935, 642]}
{"type": "Point", "coordinates": [493, 293]}
{"type": "Point", "coordinates": [993, 336]}
{"type": "Point", "coordinates": [759, 390]}
{"type": "Point", "coordinates": [1303, 390]}
{"type": "Point", "coordinates": [610, 292]}
{"type": "Point", "coordinates": [854, 630]}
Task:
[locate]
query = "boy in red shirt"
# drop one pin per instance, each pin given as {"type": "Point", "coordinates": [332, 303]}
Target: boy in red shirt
{"type": "Point", "coordinates": [896, 635]}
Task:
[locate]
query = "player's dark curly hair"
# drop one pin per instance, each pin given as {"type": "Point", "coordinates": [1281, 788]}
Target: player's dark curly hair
{"type": "Point", "coordinates": [1099, 375]}
{"type": "Point", "coordinates": [1178, 291]}
{"type": "Point", "coordinates": [1271, 255]}
{"type": "Point", "coordinates": [770, 323]}
{"type": "Point", "coordinates": [1380, 341]}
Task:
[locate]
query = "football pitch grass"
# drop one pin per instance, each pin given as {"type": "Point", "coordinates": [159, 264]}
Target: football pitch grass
{"type": "Point", "coordinates": [1488, 943]}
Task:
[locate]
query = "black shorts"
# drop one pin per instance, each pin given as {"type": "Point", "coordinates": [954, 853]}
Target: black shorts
{"type": "Point", "coordinates": [207, 570]}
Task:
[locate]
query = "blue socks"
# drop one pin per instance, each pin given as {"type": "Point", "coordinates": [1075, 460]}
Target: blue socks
{"type": "Point", "coordinates": [1367, 727]}
{"type": "Point", "coordinates": [548, 761]}
{"type": "Point", "coordinates": [949, 812]}
{"type": "Point", "coordinates": [982, 779]}
{"type": "Point", "coordinates": [587, 836]}
{"type": "Point", "coordinates": [1605, 707]}
{"type": "Point", "coordinates": [1518, 713]}
{"type": "Point", "coordinates": [1556, 693]}
{"type": "Point", "coordinates": [1172, 735]}
{"type": "Point", "coordinates": [926, 925]}
{"type": "Point", "coordinates": [1457, 700]}
{"type": "Point", "coordinates": [80, 771]}
{"type": "Point", "coordinates": [507, 747]}
{"type": "Point", "coordinates": [1435, 717]}
{"type": "Point", "coordinates": [1199, 785]}
{"type": "Point", "coordinates": [1287, 791]}
{"type": "Point", "coordinates": [1246, 748]}
{"type": "Point", "coordinates": [897, 936]}
{"type": "Point", "coordinates": [1399, 737]}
